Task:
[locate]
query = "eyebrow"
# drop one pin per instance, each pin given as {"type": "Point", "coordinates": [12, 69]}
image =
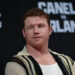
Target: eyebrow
{"type": "Point", "coordinates": [36, 24]}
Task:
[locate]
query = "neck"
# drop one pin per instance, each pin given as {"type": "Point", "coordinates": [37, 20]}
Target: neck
{"type": "Point", "coordinates": [33, 50]}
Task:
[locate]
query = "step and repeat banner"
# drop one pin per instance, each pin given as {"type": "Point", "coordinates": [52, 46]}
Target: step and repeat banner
{"type": "Point", "coordinates": [62, 20]}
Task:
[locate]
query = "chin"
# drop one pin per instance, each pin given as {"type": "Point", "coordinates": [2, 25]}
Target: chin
{"type": "Point", "coordinates": [37, 45]}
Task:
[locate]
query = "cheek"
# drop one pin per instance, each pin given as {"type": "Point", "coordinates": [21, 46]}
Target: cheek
{"type": "Point", "coordinates": [28, 35]}
{"type": "Point", "coordinates": [46, 32]}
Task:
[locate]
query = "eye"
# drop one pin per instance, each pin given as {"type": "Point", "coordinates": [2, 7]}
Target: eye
{"type": "Point", "coordinates": [30, 27]}
{"type": "Point", "coordinates": [41, 25]}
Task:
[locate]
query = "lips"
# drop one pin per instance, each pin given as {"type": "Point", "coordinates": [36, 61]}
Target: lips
{"type": "Point", "coordinates": [37, 38]}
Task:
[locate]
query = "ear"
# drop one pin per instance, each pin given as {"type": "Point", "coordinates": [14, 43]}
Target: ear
{"type": "Point", "coordinates": [50, 30]}
{"type": "Point", "coordinates": [23, 32]}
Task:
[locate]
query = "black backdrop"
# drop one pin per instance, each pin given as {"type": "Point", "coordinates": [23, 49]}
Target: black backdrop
{"type": "Point", "coordinates": [11, 40]}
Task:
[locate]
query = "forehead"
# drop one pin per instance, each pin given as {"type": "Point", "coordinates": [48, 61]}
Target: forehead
{"type": "Point", "coordinates": [35, 20]}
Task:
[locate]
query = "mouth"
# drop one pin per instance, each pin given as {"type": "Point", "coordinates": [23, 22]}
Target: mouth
{"type": "Point", "coordinates": [37, 38]}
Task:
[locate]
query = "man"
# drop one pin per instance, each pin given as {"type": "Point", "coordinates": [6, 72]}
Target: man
{"type": "Point", "coordinates": [36, 58]}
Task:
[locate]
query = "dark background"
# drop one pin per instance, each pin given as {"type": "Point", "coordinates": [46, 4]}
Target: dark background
{"type": "Point", "coordinates": [11, 40]}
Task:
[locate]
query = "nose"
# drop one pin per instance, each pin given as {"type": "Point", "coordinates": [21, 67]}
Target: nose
{"type": "Point", "coordinates": [36, 30]}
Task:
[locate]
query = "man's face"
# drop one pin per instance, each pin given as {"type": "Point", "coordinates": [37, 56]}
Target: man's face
{"type": "Point", "coordinates": [36, 31]}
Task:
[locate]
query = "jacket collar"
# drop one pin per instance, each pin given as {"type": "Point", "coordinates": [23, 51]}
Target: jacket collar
{"type": "Point", "coordinates": [23, 52]}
